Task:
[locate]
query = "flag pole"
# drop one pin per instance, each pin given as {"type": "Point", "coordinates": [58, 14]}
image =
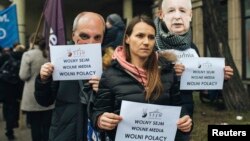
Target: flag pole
{"type": "Point", "coordinates": [39, 24]}
{"type": "Point", "coordinates": [37, 30]}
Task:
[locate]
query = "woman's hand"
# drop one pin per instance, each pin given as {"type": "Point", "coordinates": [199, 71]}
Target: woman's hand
{"type": "Point", "coordinates": [108, 121]}
{"type": "Point", "coordinates": [184, 123]}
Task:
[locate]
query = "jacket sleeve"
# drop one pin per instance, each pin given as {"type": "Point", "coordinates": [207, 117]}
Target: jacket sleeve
{"type": "Point", "coordinates": [176, 95]}
{"type": "Point", "coordinates": [103, 101]}
{"type": "Point", "coordinates": [45, 92]}
{"type": "Point", "coordinates": [176, 98]}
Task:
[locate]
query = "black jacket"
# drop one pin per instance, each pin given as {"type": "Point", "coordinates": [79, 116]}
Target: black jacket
{"type": "Point", "coordinates": [113, 36]}
{"type": "Point", "coordinates": [117, 85]}
{"type": "Point", "coordinates": [11, 92]}
{"type": "Point", "coordinates": [69, 118]}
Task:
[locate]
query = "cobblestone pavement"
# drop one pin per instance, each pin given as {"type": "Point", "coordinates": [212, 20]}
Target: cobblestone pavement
{"type": "Point", "coordinates": [22, 133]}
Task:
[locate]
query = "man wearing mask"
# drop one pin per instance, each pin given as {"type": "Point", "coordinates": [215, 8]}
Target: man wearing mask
{"type": "Point", "coordinates": [174, 34]}
{"type": "Point", "coordinates": [70, 118]}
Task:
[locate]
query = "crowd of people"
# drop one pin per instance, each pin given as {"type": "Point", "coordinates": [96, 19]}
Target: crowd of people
{"type": "Point", "coordinates": [141, 64]}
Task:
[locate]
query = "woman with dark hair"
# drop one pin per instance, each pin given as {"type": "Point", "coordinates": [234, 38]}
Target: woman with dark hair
{"type": "Point", "coordinates": [137, 73]}
{"type": "Point", "coordinates": [39, 117]}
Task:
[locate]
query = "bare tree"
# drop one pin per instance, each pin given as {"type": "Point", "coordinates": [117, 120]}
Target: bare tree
{"type": "Point", "coordinates": [234, 93]}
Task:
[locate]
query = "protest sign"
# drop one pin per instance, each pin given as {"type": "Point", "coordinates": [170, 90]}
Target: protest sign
{"type": "Point", "coordinates": [76, 62]}
{"type": "Point", "coordinates": [203, 73]}
{"type": "Point", "coordinates": [147, 122]}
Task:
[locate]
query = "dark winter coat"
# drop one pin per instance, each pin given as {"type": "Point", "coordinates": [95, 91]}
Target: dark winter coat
{"type": "Point", "coordinates": [117, 85]}
{"type": "Point", "coordinates": [69, 118]}
{"type": "Point", "coordinates": [114, 36]}
{"type": "Point", "coordinates": [11, 92]}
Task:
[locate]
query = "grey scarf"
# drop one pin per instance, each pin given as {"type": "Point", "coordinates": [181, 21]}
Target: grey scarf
{"type": "Point", "coordinates": [167, 40]}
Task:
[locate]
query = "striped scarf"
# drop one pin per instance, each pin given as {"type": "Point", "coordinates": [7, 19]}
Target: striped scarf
{"type": "Point", "coordinates": [167, 40]}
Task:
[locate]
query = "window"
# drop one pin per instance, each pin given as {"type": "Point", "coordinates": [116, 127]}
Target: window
{"type": "Point", "coordinates": [246, 39]}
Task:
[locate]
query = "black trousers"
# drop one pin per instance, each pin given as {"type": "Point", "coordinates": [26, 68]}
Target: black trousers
{"type": "Point", "coordinates": [11, 115]}
{"type": "Point", "coordinates": [39, 123]}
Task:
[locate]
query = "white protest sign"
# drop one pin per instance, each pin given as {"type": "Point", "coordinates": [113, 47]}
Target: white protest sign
{"type": "Point", "coordinates": [203, 73]}
{"type": "Point", "coordinates": [147, 122]}
{"type": "Point", "coordinates": [76, 62]}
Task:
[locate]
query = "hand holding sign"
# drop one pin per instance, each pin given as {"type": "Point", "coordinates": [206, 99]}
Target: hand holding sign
{"type": "Point", "coordinates": [184, 123]}
{"type": "Point", "coordinates": [108, 121]}
{"type": "Point", "coordinates": [229, 72]}
{"type": "Point", "coordinates": [94, 81]}
{"type": "Point", "coordinates": [46, 71]}
{"type": "Point", "coordinates": [179, 68]}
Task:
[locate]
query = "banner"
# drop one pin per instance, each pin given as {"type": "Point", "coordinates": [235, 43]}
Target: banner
{"type": "Point", "coordinates": [8, 27]}
{"type": "Point", "coordinates": [54, 23]}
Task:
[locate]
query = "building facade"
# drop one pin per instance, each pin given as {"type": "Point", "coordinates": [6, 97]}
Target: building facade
{"type": "Point", "coordinates": [29, 11]}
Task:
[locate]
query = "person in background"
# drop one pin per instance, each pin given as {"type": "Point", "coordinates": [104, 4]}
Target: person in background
{"type": "Point", "coordinates": [174, 33]}
{"type": "Point", "coordinates": [39, 117]}
{"type": "Point", "coordinates": [12, 91]}
{"type": "Point", "coordinates": [6, 50]}
{"type": "Point", "coordinates": [137, 74]}
{"type": "Point", "coordinates": [70, 118]}
{"type": "Point", "coordinates": [115, 27]}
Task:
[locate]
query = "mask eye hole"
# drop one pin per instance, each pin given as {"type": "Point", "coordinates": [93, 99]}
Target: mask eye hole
{"type": "Point", "coordinates": [83, 36]}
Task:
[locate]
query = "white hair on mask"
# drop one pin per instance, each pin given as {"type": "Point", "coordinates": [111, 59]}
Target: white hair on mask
{"type": "Point", "coordinates": [165, 1]}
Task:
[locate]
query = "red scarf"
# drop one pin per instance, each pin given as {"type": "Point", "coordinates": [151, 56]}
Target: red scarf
{"type": "Point", "coordinates": [138, 73]}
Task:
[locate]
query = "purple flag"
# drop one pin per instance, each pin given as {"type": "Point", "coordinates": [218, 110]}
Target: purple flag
{"type": "Point", "coordinates": [54, 23]}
